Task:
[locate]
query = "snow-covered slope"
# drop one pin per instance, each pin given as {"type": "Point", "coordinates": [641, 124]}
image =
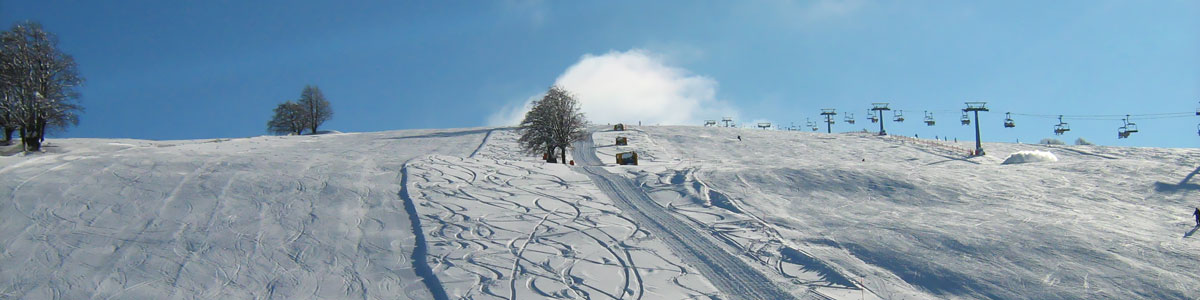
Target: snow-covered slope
{"type": "Point", "coordinates": [264, 217]}
{"type": "Point", "coordinates": [1101, 222]}
{"type": "Point", "coordinates": [504, 225]}
{"type": "Point", "coordinates": [843, 216]}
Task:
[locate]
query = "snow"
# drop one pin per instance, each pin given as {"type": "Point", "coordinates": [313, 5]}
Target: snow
{"type": "Point", "coordinates": [1021, 157]}
{"type": "Point", "coordinates": [649, 153]}
{"type": "Point", "coordinates": [505, 225]}
{"type": "Point", "coordinates": [841, 216]}
{"type": "Point", "coordinates": [914, 220]}
{"type": "Point", "coordinates": [262, 217]}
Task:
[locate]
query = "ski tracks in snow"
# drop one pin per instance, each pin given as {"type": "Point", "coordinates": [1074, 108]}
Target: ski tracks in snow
{"type": "Point", "coordinates": [727, 225]}
{"type": "Point", "coordinates": [733, 277]}
{"type": "Point", "coordinates": [505, 229]}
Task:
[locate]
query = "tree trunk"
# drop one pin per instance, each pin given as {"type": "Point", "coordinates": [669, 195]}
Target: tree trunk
{"type": "Point", "coordinates": [8, 131]}
{"type": "Point", "coordinates": [550, 154]}
{"type": "Point", "coordinates": [41, 128]}
{"type": "Point", "coordinates": [30, 139]}
{"type": "Point", "coordinates": [564, 155]}
{"type": "Point", "coordinates": [22, 137]}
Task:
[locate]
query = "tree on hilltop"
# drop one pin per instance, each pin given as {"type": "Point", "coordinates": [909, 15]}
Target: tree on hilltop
{"type": "Point", "coordinates": [289, 119]}
{"type": "Point", "coordinates": [553, 123]}
{"type": "Point", "coordinates": [308, 112]}
{"type": "Point", "coordinates": [38, 84]}
{"type": "Point", "coordinates": [316, 108]}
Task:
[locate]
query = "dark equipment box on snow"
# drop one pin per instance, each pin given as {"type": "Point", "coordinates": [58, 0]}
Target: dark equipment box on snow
{"type": "Point", "coordinates": [627, 158]}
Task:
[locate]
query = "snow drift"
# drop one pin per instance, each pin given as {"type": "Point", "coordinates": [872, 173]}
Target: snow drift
{"type": "Point", "coordinates": [1021, 157]}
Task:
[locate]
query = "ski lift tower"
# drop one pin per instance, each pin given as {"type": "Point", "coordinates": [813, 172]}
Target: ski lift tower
{"type": "Point", "coordinates": [727, 120]}
{"type": "Point", "coordinates": [880, 107]}
{"type": "Point", "coordinates": [828, 113]}
{"type": "Point", "coordinates": [976, 107]}
{"type": "Point", "coordinates": [764, 125]}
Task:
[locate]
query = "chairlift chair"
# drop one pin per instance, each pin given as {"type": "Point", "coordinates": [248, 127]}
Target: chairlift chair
{"type": "Point", "coordinates": [965, 119]}
{"type": "Point", "coordinates": [1008, 121]}
{"type": "Point", "coordinates": [1198, 129]}
{"type": "Point", "coordinates": [1130, 126]}
{"type": "Point", "coordinates": [898, 116]}
{"type": "Point", "coordinates": [871, 116]}
{"type": "Point", "coordinates": [929, 119]}
{"type": "Point", "coordinates": [1061, 127]}
{"type": "Point", "coordinates": [849, 118]}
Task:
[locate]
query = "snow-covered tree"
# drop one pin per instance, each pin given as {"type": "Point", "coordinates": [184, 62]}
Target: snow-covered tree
{"type": "Point", "coordinates": [1083, 142]}
{"type": "Point", "coordinates": [316, 108]}
{"type": "Point", "coordinates": [38, 83]}
{"type": "Point", "coordinates": [289, 119]}
{"type": "Point", "coordinates": [553, 123]}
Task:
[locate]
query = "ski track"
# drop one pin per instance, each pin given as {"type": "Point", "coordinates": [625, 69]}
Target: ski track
{"type": "Point", "coordinates": [512, 229]}
{"type": "Point", "coordinates": [733, 277]}
{"type": "Point", "coordinates": [262, 217]}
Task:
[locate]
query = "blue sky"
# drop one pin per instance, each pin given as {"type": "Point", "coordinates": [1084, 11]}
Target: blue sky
{"type": "Point", "coordinates": [206, 69]}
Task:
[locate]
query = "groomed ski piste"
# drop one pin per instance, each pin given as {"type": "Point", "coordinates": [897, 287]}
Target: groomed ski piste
{"type": "Point", "coordinates": [463, 214]}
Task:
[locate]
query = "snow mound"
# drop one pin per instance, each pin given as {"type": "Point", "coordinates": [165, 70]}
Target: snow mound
{"type": "Point", "coordinates": [1021, 157]}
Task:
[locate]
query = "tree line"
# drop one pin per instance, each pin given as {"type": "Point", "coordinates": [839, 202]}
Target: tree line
{"type": "Point", "coordinates": [308, 112]}
{"type": "Point", "coordinates": [38, 85]}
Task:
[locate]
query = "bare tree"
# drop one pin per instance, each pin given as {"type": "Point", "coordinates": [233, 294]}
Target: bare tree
{"type": "Point", "coordinates": [553, 123]}
{"type": "Point", "coordinates": [289, 119]}
{"type": "Point", "coordinates": [316, 108]}
{"type": "Point", "coordinates": [535, 132]}
{"type": "Point", "coordinates": [7, 120]}
{"type": "Point", "coordinates": [7, 89]}
{"type": "Point", "coordinates": [39, 83]}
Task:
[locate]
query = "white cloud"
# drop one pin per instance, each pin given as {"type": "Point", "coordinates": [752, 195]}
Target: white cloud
{"type": "Point", "coordinates": [630, 87]}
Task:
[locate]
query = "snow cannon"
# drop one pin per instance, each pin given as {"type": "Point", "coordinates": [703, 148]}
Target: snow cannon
{"type": "Point", "coordinates": [619, 127]}
{"type": "Point", "coordinates": [627, 158]}
{"type": "Point", "coordinates": [622, 141]}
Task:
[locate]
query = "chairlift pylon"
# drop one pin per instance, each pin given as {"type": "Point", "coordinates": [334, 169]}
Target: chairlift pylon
{"type": "Point", "coordinates": [1008, 121]}
{"type": "Point", "coordinates": [929, 119]}
{"type": "Point", "coordinates": [1061, 127]}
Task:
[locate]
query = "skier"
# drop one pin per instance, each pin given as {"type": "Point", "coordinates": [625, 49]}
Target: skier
{"type": "Point", "coordinates": [1197, 214]}
{"type": "Point", "coordinates": [739, 138]}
